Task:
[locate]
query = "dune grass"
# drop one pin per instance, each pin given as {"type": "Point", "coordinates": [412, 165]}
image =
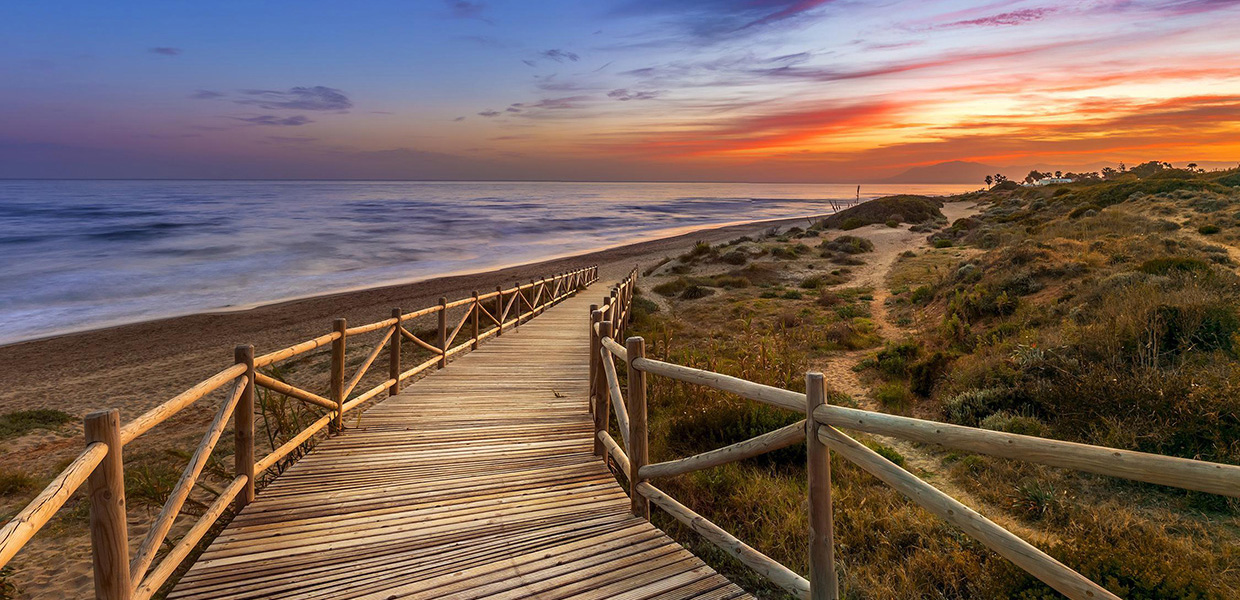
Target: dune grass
{"type": "Point", "coordinates": [1115, 325]}
{"type": "Point", "coordinates": [21, 422]}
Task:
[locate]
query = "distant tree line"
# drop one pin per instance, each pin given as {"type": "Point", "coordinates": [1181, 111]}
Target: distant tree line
{"type": "Point", "coordinates": [1142, 170]}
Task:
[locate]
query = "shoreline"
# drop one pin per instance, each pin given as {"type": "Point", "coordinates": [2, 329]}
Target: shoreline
{"type": "Point", "coordinates": [479, 272]}
{"type": "Point", "coordinates": [138, 365]}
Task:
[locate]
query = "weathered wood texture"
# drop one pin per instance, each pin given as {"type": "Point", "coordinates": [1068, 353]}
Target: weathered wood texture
{"type": "Point", "coordinates": [478, 481]}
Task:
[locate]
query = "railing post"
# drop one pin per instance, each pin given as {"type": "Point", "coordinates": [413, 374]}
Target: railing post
{"type": "Point", "coordinates": [822, 581]}
{"type": "Point", "coordinates": [443, 332]}
{"type": "Point", "coordinates": [473, 345]}
{"type": "Point", "coordinates": [516, 303]}
{"type": "Point", "coordinates": [595, 318]}
{"type": "Point", "coordinates": [394, 355]}
{"type": "Point", "coordinates": [243, 428]}
{"type": "Point", "coordinates": [109, 529]}
{"type": "Point", "coordinates": [337, 375]}
{"type": "Point", "coordinates": [614, 316]}
{"type": "Point", "coordinates": [499, 309]}
{"type": "Point", "coordinates": [600, 408]}
{"type": "Point", "coordinates": [636, 405]}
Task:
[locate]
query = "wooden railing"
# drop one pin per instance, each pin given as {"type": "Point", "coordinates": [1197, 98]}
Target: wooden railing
{"type": "Point", "coordinates": [121, 577]}
{"type": "Point", "coordinates": [821, 431]}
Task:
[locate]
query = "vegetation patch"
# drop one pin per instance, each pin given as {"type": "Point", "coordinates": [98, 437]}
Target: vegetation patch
{"type": "Point", "coordinates": [16, 482]}
{"type": "Point", "coordinates": [903, 208]}
{"type": "Point", "coordinates": [848, 244]}
{"type": "Point", "coordinates": [21, 422]}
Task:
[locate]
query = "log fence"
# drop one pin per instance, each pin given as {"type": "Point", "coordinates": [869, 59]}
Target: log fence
{"type": "Point", "coordinates": [821, 432]}
{"type": "Point", "coordinates": [461, 325]}
{"type": "Point", "coordinates": [100, 465]}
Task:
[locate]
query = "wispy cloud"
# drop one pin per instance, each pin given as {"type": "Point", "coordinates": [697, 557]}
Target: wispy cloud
{"type": "Point", "coordinates": [566, 102]}
{"type": "Point", "coordinates": [206, 95]}
{"type": "Point", "coordinates": [291, 139]}
{"type": "Point", "coordinates": [463, 9]}
{"type": "Point", "coordinates": [299, 98]}
{"type": "Point", "coordinates": [624, 95]}
{"type": "Point", "coordinates": [490, 113]}
{"type": "Point", "coordinates": [165, 50]}
{"type": "Point", "coordinates": [1016, 17]}
{"type": "Point", "coordinates": [715, 20]}
{"type": "Point", "coordinates": [276, 121]}
{"type": "Point", "coordinates": [559, 55]}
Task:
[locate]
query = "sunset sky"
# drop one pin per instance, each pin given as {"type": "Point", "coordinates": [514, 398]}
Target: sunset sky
{"type": "Point", "coordinates": [757, 90]}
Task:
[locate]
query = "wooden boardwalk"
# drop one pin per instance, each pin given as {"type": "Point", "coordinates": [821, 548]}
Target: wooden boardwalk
{"type": "Point", "coordinates": [478, 481]}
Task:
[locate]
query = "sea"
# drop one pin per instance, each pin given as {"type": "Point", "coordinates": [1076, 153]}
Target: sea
{"type": "Point", "coordinates": [79, 254]}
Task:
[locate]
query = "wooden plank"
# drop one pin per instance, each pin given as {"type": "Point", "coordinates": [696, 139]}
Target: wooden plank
{"type": "Point", "coordinates": [478, 481]}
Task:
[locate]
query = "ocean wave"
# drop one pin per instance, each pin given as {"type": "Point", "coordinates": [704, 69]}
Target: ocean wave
{"type": "Point", "coordinates": [90, 253]}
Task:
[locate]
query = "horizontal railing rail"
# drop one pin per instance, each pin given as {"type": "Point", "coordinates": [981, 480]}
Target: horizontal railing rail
{"type": "Point", "coordinates": [100, 464]}
{"type": "Point", "coordinates": [821, 431]}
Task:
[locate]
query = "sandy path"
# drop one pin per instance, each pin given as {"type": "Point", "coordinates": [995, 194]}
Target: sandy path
{"type": "Point", "coordinates": [924, 461]}
{"type": "Point", "coordinates": [888, 244]}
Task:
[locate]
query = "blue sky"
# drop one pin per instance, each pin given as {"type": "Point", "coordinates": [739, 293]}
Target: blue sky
{"type": "Point", "coordinates": [798, 90]}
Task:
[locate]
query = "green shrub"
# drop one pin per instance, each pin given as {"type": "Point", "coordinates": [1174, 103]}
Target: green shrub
{"type": "Point", "coordinates": [700, 249]}
{"type": "Point", "coordinates": [788, 252]}
{"type": "Point", "coordinates": [893, 360]}
{"type": "Point", "coordinates": [852, 223]}
{"type": "Point", "coordinates": [893, 395]}
{"type": "Point", "coordinates": [885, 451]}
{"type": "Point", "coordinates": [848, 244]}
{"type": "Point", "coordinates": [1173, 264]}
{"type": "Point", "coordinates": [852, 311]}
{"type": "Point", "coordinates": [694, 292]}
{"type": "Point", "coordinates": [1208, 229]}
{"type": "Point", "coordinates": [792, 295]}
{"type": "Point", "coordinates": [16, 482]}
{"type": "Point", "coordinates": [671, 288]}
{"type": "Point", "coordinates": [892, 223]}
{"type": "Point", "coordinates": [1036, 500]}
{"type": "Point", "coordinates": [1199, 327]}
{"type": "Point", "coordinates": [845, 259]}
{"type": "Point", "coordinates": [942, 243]}
{"type": "Point", "coordinates": [908, 208]}
{"type": "Point", "coordinates": [1110, 193]}
{"type": "Point", "coordinates": [924, 374]}
{"type": "Point", "coordinates": [1080, 211]}
{"type": "Point", "coordinates": [731, 282]}
{"type": "Point", "coordinates": [922, 295]}
{"type": "Point", "coordinates": [643, 306]}
{"type": "Point", "coordinates": [20, 422]}
{"type": "Point", "coordinates": [735, 257]}
{"type": "Point", "coordinates": [811, 283]}
{"type": "Point", "coordinates": [971, 406]}
{"type": "Point", "coordinates": [1010, 423]}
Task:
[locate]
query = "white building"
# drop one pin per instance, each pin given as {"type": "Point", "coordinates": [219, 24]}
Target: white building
{"type": "Point", "coordinates": [1051, 181]}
